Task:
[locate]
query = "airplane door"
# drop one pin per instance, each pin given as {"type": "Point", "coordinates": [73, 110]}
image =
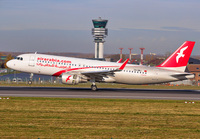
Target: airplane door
{"type": "Point", "coordinates": [32, 60]}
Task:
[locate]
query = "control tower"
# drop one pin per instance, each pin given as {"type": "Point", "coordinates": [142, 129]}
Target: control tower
{"type": "Point", "coordinates": [99, 32]}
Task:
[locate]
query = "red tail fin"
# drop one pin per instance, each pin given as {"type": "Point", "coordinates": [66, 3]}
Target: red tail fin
{"type": "Point", "coordinates": [180, 57]}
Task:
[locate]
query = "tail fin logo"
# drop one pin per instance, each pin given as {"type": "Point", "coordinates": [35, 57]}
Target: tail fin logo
{"type": "Point", "coordinates": [179, 55]}
{"type": "Point", "coordinates": [179, 59]}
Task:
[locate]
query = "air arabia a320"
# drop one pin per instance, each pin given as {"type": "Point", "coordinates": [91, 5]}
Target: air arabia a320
{"type": "Point", "coordinates": [77, 70]}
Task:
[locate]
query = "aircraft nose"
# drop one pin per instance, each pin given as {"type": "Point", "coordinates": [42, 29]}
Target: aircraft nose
{"type": "Point", "coordinates": [10, 64]}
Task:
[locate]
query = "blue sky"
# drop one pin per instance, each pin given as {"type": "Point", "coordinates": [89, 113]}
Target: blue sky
{"type": "Point", "coordinates": [65, 25]}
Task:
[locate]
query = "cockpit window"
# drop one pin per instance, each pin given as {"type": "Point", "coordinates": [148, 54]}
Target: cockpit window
{"type": "Point", "coordinates": [19, 58]}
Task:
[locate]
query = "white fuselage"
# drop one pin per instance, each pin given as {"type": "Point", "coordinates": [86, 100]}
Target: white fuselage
{"type": "Point", "coordinates": [57, 65]}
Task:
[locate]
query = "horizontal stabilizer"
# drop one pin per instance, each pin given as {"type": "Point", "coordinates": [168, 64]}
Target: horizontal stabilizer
{"type": "Point", "coordinates": [183, 76]}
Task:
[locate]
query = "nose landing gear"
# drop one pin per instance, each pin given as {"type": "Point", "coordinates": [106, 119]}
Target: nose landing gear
{"type": "Point", "coordinates": [30, 79]}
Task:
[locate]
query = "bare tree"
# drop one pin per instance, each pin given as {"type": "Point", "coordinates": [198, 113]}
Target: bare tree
{"type": "Point", "coordinates": [9, 57]}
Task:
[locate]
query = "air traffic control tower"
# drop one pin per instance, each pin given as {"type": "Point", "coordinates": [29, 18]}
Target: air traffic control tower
{"type": "Point", "coordinates": [99, 32]}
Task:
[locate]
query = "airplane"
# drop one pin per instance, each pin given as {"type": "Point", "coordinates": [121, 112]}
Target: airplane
{"type": "Point", "coordinates": [76, 70]}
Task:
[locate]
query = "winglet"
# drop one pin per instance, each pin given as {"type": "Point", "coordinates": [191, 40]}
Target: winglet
{"type": "Point", "coordinates": [119, 61]}
{"type": "Point", "coordinates": [124, 64]}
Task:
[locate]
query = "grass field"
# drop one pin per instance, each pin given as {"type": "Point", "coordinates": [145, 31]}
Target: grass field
{"type": "Point", "coordinates": [23, 117]}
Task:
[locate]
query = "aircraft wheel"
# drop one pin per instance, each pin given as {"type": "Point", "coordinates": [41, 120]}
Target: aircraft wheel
{"type": "Point", "coordinates": [29, 82]}
{"type": "Point", "coordinates": [94, 88]}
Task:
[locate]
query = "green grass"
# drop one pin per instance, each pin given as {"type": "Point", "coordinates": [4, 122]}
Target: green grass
{"type": "Point", "coordinates": [23, 117]}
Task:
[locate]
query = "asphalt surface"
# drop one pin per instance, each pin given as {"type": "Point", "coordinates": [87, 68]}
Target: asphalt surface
{"type": "Point", "coordinates": [101, 93]}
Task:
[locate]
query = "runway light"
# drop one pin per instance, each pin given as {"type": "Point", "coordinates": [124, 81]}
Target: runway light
{"type": "Point", "coordinates": [5, 98]}
{"type": "Point", "coordinates": [190, 102]}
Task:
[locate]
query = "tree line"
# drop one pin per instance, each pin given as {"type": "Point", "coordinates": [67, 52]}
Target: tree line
{"type": "Point", "coordinates": [3, 62]}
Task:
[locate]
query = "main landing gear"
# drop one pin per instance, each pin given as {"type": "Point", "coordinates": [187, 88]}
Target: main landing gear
{"type": "Point", "coordinates": [30, 79]}
{"type": "Point", "coordinates": [94, 87]}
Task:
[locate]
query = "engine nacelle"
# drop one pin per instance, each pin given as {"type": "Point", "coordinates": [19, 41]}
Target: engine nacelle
{"type": "Point", "coordinates": [71, 79]}
{"type": "Point", "coordinates": [108, 80]}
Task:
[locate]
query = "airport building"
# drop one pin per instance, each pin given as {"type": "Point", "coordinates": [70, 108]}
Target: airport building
{"type": "Point", "coordinates": [194, 67]}
{"type": "Point", "coordinates": [99, 32]}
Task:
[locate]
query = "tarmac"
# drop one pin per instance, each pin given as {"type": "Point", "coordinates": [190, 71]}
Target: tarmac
{"type": "Point", "coordinates": [109, 93]}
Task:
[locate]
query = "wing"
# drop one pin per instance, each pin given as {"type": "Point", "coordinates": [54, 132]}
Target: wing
{"type": "Point", "coordinates": [99, 75]}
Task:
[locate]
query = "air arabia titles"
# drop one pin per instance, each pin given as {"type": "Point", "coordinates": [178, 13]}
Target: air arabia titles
{"type": "Point", "coordinates": [53, 62]}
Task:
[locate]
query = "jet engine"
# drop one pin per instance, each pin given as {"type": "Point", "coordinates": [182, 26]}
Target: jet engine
{"type": "Point", "coordinates": [72, 79]}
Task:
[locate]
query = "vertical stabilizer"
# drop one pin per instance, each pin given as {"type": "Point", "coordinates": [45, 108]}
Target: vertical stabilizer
{"type": "Point", "coordinates": [179, 59]}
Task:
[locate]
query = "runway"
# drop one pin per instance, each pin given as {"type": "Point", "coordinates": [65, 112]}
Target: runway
{"type": "Point", "coordinates": [111, 93]}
